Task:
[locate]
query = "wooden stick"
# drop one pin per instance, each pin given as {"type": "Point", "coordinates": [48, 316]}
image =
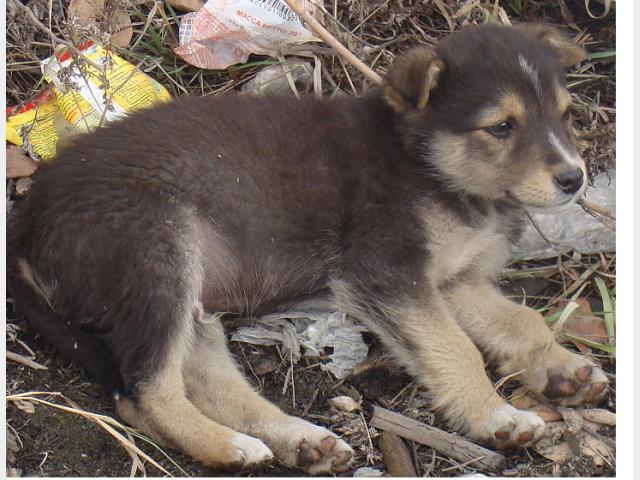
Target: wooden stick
{"type": "Point", "coordinates": [396, 456]}
{"type": "Point", "coordinates": [26, 361]}
{"type": "Point", "coordinates": [449, 444]}
{"type": "Point", "coordinates": [597, 208]}
{"type": "Point", "coordinates": [330, 40]}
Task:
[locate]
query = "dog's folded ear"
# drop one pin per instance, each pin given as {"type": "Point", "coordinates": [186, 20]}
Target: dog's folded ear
{"type": "Point", "coordinates": [411, 79]}
{"type": "Point", "coordinates": [567, 51]}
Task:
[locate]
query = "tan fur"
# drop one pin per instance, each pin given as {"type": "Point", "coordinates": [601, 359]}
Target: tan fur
{"type": "Point", "coordinates": [515, 337]}
{"type": "Point", "coordinates": [453, 151]}
{"type": "Point", "coordinates": [164, 410]}
{"type": "Point", "coordinates": [44, 291]}
{"type": "Point", "coordinates": [564, 100]}
{"type": "Point", "coordinates": [566, 50]}
{"type": "Point", "coordinates": [454, 246]}
{"type": "Point", "coordinates": [510, 105]}
{"type": "Point", "coordinates": [412, 78]}
{"type": "Point", "coordinates": [219, 391]}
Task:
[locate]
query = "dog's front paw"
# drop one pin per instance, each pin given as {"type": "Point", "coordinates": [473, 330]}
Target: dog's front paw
{"type": "Point", "coordinates": [566, 378]}
{"type": "Point", "coordinates": [312, 448]}
{"type": "Point", "coordinates": [575, 383]}
{"type": "Point", "coordinates": [507, 427]}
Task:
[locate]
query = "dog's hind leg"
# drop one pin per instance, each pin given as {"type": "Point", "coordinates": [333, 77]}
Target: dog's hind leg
{"type": "Point", "coordinates": [221, 392]}
{"type": "Point", "coordinates": [154, 338]}
{"type": "Point", "coordinates": [161, 409]}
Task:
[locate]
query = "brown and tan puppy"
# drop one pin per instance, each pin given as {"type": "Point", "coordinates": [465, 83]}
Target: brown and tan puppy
{"type": "Point", "coordinates": [399, 207]}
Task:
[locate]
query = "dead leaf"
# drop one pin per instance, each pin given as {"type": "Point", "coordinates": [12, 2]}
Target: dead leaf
{"type": "Point", "coordinates": [85, 10]}
{"type": "Point", "coordinates": [585, 306]}
{"type": "Point", "coordinates": [595, 448]}
{"type": "Point", "coordinates": [186, 5]}
{"type": "Point", "coordinates": [560, 452]}
{"type": "Point", "coordinates": [532, 405]}
{"type": "Point", "coordinates": [18, 164]}
{"type": "Point", "coordinates": [118, 23]}
{"type": "Point", "coordinates": [25, 406]}
{"type": "Point", "coordinates": [559, 444]}
{"type": "Point", "coordinates": [573, 420]}
{"type": "Point", "coordinates": [119, 26]}
{"type": "Point", "coordinates": [587, 326]}
{"type": "Point", "coordinates": [598, 415]}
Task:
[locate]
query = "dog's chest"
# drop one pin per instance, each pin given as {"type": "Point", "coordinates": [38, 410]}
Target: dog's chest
{"type": "Point", "coordinates": [456, 247]}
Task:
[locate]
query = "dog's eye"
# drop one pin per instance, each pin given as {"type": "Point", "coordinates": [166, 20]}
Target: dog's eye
{"type": "Point", "coordinates": [501, 130]}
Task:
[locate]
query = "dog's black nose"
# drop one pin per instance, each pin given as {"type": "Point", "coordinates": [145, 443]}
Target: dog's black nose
{"type": "Point", "coordinates": [570, 181]}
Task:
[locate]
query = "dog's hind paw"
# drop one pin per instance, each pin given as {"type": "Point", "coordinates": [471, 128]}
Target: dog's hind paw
{"type": "Point", "coordinates": [509, 427]}
{"type": "Point", "coordinates": [313, 449]}
{"type": "Point", "coordinates": [251, 452]}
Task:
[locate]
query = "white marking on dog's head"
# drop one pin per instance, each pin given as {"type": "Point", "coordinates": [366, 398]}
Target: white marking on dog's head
{"type": "Point", "coordinates": [572, 158]}
{"type": "Point", "coordinates": [532, 73]}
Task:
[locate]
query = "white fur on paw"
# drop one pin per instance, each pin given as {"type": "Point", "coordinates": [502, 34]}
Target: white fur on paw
{"type": "Point", "coordinates": [507, 426]}
{"type": "Point", "coordinates": [312, 448]}
{"type": "Point", "coordinates": [251, 451]}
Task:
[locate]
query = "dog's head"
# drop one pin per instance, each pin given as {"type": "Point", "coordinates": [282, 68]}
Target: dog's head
{"type": "Point", "coordinates": [489, 109]}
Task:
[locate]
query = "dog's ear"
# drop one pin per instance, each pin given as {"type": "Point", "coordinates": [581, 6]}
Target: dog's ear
{"type": "Point", "coordinates": [567, 51]}
{"type": "Point", "coordinates": [411, 79]}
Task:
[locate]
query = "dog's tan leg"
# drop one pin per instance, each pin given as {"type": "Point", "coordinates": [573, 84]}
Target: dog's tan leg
{"type": "Point", "coordinates": [220, 391]}
{"type": "Point", "coordinates": [161, 409]}
{"type": "Point", "coordinates": [517, 339]}
{"type": "Point", "coordinates": [427, 341]}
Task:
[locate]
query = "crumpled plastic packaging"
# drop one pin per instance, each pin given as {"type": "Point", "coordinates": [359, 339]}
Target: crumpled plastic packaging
{"type": "Point", "coordinates": [81, 97]}
{"type": "Point", "coordinates": [572, 228]}
{"type": "Point", "coordinates": [314, 330]}
{"type": "Point", "coordinates": [273, 80]}
{"type": "Point", "coordinates": [226, 32]}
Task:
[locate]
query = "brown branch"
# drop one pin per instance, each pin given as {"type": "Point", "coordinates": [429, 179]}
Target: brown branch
{"type": "Point", "coordinates": [449, 444]}
{"type": "Point", "coordinates": [330, 40]}
{"type": "Point", "coordinates": [26, 361]}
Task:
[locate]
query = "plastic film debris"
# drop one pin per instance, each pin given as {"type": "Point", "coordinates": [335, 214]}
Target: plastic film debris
{"type": "Point", "coordinates": [313, 331]}
{"type": "Point", "coordinates": [226, 32]}
{"type": "Point", "coordinates": [572, 228]}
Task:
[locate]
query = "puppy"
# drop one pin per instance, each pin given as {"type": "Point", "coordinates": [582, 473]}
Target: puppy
{"type": "Point", "coordinates": [399, 207]}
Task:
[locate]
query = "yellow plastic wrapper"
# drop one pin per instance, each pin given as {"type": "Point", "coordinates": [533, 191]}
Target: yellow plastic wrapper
{"type": "Point", "coordinates": [34, 122]}
{"type": "Point", "coordinates": [106, 88]}
{"type": "Point", "coordinates": [84, 95]}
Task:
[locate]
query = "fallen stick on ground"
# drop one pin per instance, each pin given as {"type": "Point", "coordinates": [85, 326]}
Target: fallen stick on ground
{"type": "Point", "coordinates": [330, 40]}
{"type": "Point", "coordinates": [446, 443]}
{"type": "Point", "coordinates": [396, 456]}
{"type": "Point", "coordinates": [16, 357]}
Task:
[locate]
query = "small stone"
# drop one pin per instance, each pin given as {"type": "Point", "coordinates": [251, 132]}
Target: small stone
{"type": "Point", "coordinates": [264, 365]}
{"type": "Point", "coordinates": [344, 403]}
{"type": "Point", "coordinates": [368, 472]}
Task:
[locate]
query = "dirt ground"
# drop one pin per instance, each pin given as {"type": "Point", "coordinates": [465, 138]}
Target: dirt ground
{"type": "Point", "coordinates": [47, 441]}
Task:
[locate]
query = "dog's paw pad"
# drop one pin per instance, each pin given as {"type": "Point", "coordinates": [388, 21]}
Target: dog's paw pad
{"type": "Point", "coordinates": [313, 449]}
{"type": "Point", "coordinates": [578, 383]}
{"type": "Point", "coordinates": [328, 455]}
{"type": "Point", "coordinates": [251, 452]}
{"type": "Point", "coordinates": [307, 455]}
{"type": "Point", "coordinates": [511, 427]}
{"type": "Point", "coordinates": [342, 461]}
